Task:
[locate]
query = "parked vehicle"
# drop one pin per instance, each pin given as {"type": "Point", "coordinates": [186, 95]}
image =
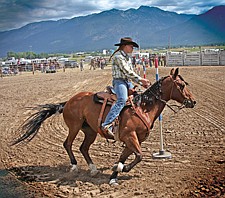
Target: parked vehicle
{"type": "Point", "coordinates": [71, 64]}
{"type": "Point", "coordinates": [6, 70]}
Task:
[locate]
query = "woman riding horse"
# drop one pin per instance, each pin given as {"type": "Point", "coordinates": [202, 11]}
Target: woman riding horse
{"type": "Point", "coordinates": [81, 112]}
{"type": "Point", "coordinates": [122, 73]}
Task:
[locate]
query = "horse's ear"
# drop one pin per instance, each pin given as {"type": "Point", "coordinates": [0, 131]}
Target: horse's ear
{"type": "Point", "coordinates": [175, 73]}
{"type": "Point", "coordinates": [172, 71]}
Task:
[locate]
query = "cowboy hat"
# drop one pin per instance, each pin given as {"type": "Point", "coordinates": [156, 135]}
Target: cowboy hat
{"type": "Point", "coordinates": [127, 41]}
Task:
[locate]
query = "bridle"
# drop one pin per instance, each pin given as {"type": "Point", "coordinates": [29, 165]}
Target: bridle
{"type": "Point", "coordinates": [185, 102]}
{"type": "Point", "coordinates": [155, 90]}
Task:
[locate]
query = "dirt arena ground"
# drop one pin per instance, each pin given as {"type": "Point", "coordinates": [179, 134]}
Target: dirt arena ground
{"type": "Point", "coordinates": [195, 138]}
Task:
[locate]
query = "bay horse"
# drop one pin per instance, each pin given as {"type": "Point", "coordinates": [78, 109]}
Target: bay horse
{"type": "Point", "coordinates": [81, 112]}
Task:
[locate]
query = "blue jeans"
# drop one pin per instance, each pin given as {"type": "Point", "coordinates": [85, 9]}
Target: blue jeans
{"type": "Point", "coordinates": [121, 89]}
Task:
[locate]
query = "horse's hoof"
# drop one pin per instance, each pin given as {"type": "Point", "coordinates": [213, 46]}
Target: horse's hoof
{"type": "Point", "coordinates": [113, 182]}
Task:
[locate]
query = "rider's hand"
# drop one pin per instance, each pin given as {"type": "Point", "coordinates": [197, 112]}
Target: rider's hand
{"type": "Point", "coordinates": [145, 83]}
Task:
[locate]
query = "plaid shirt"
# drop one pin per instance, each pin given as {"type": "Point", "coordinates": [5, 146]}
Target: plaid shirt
{"type": "Point", "coordinates": [122, 68]}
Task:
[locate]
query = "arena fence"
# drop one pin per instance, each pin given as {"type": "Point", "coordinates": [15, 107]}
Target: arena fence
{"type": "Point", "coordinates": [45, 67]}
{"type": "Point", "coordinates": [195, 58]}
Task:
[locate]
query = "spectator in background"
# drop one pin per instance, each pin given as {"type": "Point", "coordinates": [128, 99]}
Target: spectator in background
{"type": "Point", "coordinates": [164, 61]}
{"type": "Point", "coordinates": [81, 65]}
{"type": "Point", "coordinates": [134, 62]}
{"type": "Point", "coordinates": [93, 63]}
{"type": "Point", "coordinates": [42, 68]}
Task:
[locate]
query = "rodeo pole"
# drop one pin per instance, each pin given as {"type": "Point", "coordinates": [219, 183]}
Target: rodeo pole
{"type": "Point", "coordinates": [161, 154]}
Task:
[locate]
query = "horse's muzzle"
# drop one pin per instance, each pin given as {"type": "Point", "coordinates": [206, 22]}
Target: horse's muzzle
{"type": "Point", "coordinates": [189, 103]}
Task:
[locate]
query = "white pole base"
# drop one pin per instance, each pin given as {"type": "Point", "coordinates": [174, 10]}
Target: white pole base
{"type": "Point", "coordinates": [162, 155]}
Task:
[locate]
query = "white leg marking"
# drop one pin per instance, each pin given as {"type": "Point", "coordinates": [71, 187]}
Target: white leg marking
{"type": "Point", "coordinates": [120, 167]}
{"type": "Point", "coordinates": [74, 168]}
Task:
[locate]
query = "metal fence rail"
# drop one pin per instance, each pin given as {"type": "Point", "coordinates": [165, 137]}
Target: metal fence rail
{"type": "Point", "coordinates": [195, 58]}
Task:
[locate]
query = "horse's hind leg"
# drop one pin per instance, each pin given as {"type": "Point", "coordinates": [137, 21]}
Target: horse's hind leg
{"type": "Point", "coordinates": [90, 136]}
{"type": "Point", "coordinates": [68, 146]}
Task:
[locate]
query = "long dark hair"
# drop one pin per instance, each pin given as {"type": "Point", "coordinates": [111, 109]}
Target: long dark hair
{"type": "Point", "coordinates": [118, 49]}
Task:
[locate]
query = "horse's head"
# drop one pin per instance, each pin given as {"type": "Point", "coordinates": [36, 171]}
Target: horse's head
{"type": "Point", "coordinates": [170, 87]}
{"type": "Point", "coordinates": [174, 87]}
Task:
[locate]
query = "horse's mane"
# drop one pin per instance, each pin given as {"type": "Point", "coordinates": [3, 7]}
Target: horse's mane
{"type": "Point", "coordinates": [151, 92]}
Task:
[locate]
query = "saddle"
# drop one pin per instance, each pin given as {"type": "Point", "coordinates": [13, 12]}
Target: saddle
{"type": "Point", "coordinates": [108, 97]}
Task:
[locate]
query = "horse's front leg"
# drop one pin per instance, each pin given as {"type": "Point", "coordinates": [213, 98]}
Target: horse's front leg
{"type": "Point", "coordinates": [128, 167]}
{"type": "Point", "coordinates": [132, 146]}
{"type": "Point", "coordinates": [118, 166]}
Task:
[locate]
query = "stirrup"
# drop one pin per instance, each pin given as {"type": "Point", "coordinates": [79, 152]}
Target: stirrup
{"type": "Point", "coordinates": [107, 129]}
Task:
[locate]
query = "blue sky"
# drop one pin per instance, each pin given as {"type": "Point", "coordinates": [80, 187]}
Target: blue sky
{"type": "Point", "coordinates": [17, 13]}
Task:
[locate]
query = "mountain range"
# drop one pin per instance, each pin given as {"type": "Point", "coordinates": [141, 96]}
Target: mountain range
{"type": "Point", "coordinates": [149, 26]}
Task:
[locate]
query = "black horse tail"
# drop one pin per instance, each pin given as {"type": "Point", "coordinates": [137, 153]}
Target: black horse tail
{"type": "Point", "coordinates": [33, 123]}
